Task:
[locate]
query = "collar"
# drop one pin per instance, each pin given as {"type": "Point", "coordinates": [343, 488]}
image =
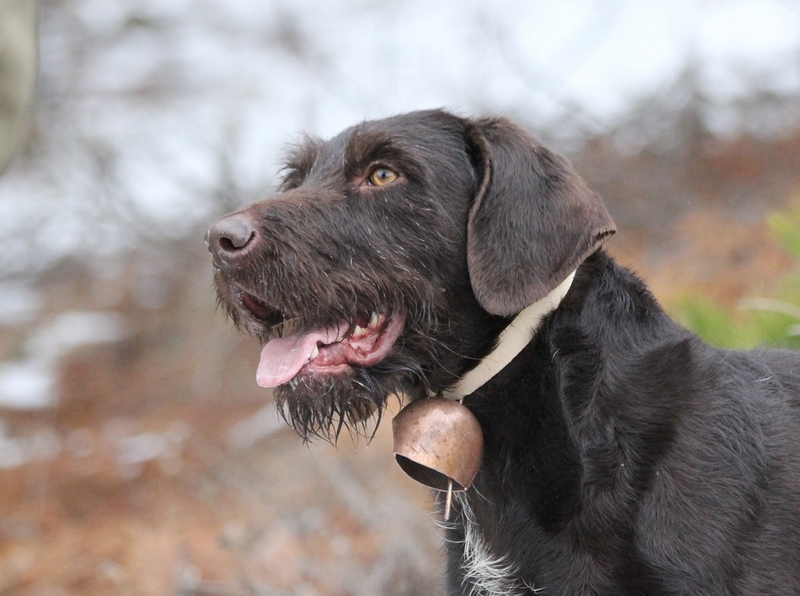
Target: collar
{"type": "Point", "coordinates": [511, 342]}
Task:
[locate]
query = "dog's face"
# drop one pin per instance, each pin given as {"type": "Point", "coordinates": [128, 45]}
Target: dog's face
{"type": "Point", "coordinates": [392, 257]}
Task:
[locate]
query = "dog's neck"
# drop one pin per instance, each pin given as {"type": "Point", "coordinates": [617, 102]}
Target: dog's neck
{"type": "Point", "coordinates": [511, 341]}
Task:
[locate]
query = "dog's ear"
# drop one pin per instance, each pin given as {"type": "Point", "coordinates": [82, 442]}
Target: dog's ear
{"type": "Point", "coordinates": [532, 221]}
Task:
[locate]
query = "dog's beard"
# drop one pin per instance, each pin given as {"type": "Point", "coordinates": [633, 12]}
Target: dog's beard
{"type": "Point", "coordinates": [322, 406]}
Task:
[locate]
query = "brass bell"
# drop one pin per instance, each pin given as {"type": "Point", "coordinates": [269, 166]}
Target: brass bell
{"type": "Point", "coordinates": [439, 443]}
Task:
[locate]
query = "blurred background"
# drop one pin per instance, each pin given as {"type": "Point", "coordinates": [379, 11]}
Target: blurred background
{"type": "Point", "coordinates": [137, 455]}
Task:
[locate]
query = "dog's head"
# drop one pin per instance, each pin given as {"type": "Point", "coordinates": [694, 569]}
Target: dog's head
{"type": "Point", "coordinates": [392, 257]}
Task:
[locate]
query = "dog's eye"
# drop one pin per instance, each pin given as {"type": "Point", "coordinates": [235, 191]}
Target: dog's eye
{"type": "Point", "coordinates": [381, 177]}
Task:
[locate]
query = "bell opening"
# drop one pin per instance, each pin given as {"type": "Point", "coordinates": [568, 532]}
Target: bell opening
{"type": "Point", "coordinates": [425, 475]}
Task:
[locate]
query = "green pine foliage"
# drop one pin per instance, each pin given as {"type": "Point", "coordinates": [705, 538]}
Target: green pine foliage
{"type": "Point", "coordinates": [773, 321]}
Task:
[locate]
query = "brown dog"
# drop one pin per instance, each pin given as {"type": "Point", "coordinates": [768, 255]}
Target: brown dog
{"type": "Point", "coordinates": [622, 455]}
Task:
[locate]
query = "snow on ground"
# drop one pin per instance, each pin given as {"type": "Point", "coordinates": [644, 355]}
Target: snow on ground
{"type": "Point", "coordinates": [29, 382]}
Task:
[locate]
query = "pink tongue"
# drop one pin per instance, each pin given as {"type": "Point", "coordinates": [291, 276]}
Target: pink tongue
{"type": "Point", "coordinates": [281, 359]}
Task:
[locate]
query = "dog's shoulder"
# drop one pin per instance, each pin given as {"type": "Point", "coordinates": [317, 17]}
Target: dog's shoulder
{"type": "Point", "coordinates": [615, 412]}
{"type": "Point", "coordinates": [784, 366]}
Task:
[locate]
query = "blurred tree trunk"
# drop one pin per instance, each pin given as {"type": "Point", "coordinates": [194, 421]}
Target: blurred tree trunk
{"type": "Point", "coordinates": [18, 66]}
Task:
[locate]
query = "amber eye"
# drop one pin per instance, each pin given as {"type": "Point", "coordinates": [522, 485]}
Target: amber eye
{"type": "Point", "coordinates": [382, 176]}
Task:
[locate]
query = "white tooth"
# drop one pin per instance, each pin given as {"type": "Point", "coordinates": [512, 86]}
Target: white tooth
{"type": "Point", "coordinates": [314, 353]}
{"type": "Point", "coordinates": [358, 331]}
{"type": "Point", "coordinates": [375, 319]}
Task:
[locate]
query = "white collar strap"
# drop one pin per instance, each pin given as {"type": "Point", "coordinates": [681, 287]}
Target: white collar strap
{"type": "Point", "coordinates": [511, 341]}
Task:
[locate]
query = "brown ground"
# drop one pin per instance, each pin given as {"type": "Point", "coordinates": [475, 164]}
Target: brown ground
{"type": "Point", "coordinates": [152, 475]}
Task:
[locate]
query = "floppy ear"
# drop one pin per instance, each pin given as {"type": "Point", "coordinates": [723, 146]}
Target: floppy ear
{"type": "Point", "coordinates": [532, 222]}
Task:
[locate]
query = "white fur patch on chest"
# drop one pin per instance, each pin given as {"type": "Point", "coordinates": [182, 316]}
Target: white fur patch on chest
{"type": "Point", "coordinates": [488, 573]}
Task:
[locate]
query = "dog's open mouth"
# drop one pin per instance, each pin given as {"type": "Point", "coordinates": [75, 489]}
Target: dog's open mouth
{"type": "Point", "coordinates": [325, 350]}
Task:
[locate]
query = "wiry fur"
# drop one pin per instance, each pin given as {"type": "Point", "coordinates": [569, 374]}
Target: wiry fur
{"type": "Point", "coordinates": [324, 406]}
{"type": "Point", "coordinates": [316, 278]}
{"type": "Point", "coordinates": [485, 573]}
{"type": "Point", "coordinates": [621, 454]}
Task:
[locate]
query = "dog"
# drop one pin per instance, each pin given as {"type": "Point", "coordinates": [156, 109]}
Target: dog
{"type": "Point", "coordinates": [622, 455]}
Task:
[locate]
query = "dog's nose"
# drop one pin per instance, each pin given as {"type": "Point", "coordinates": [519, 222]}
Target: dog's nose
{"type": "Point", "coordinates": [231, 238]}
